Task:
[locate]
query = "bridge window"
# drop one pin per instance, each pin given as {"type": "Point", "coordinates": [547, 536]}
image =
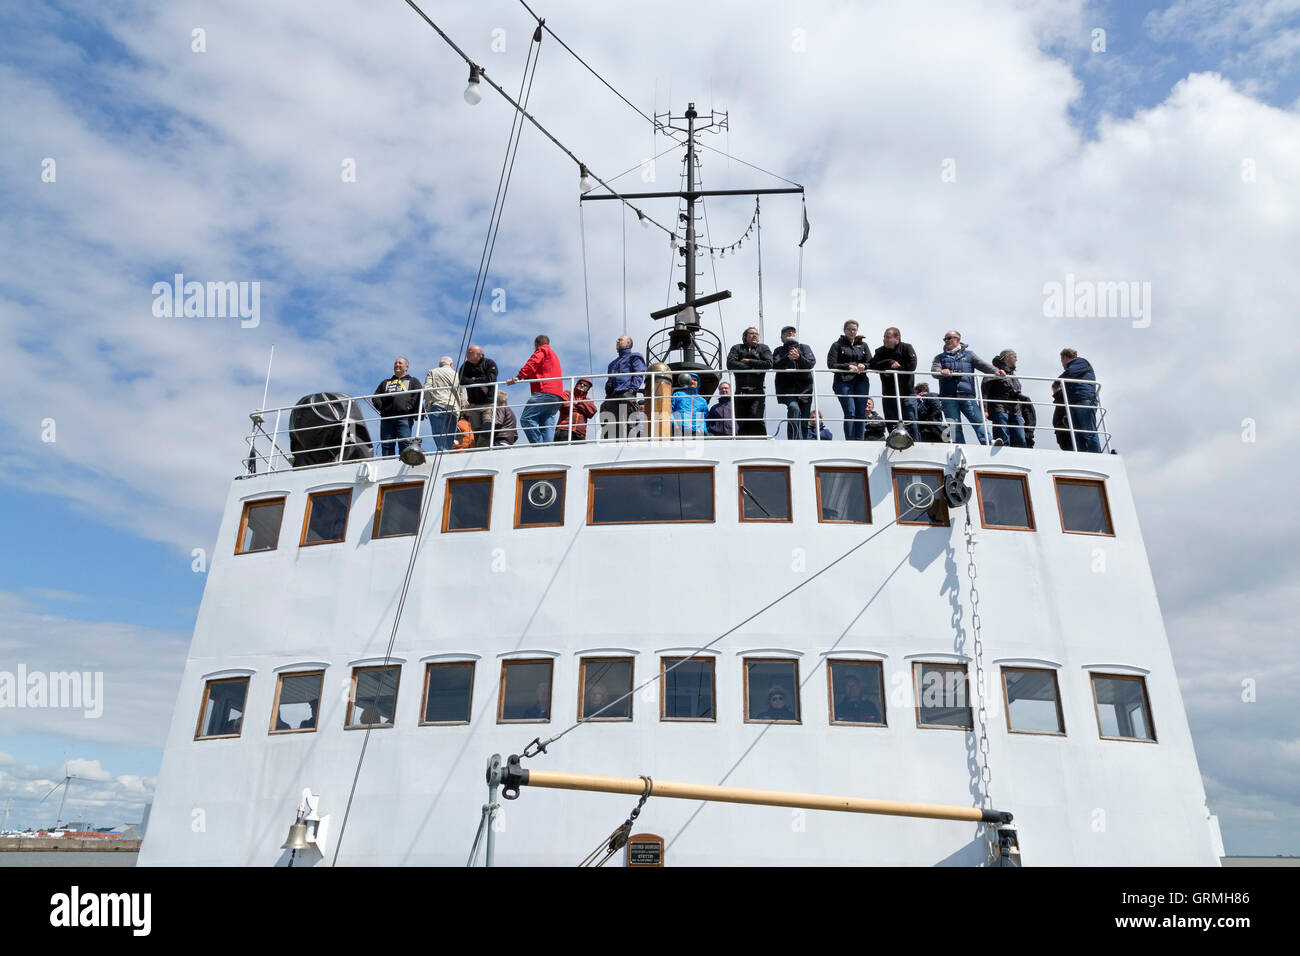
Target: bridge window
{"type": "Point", "coordinates": [842, 496]}
{"type": "Point", "coordinates": [908, 500]}
{"type": "Point", "coordinates": [373, 699]}
{"type": "Point", "coordinates": [525, 691]}
{"type": "Point", "coordinates": [539, 500]}
{"type": "Point", "coordinates": [397, 510]}
{"type": "Point", "coordinates": [688, 690]}
{"type": "Point", "coordinates": [326, 521]}
{"type": "Point", "coordinates": [764, 493]}
{"type": "Point", "coordinates": [448, 693]}
{"type": "Point", "coordinates": [1123, 710]}
{"type": "Point", "coordinates": [650, 496]}
{"type": "Point", "coordinates": [259, 527]}
{"type": "Point", "coordinates": [857, 692]}
{"type": "Point", "coordinates": [1004, 502]}
{"type": "Point", "coordinates": [1083, 505]}
{"type": "Point", "coordinates": [297, 702]}
{"type": "Point", "coordinates": [942, 696]}
{"type": "Point", "coordinates": [602, 681]}
{"type": "Point", "coordinates": [222, 712]}
{"type": "Point", "coordinates": [1033, 701]}
{"type": "Point", "coordinates": [771, 691]}
{"type": "Point", "coordinates": [468, 504]}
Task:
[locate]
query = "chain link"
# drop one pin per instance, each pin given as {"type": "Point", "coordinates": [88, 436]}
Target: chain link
{"type": "Point", "coordinates": [986, 774]}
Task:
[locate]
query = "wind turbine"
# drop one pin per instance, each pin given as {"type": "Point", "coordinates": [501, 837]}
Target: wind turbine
{"type": "Point", "coordinates": [67, 779]}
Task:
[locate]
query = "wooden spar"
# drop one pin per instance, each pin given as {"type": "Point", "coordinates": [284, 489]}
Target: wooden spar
{"type": "Point", "coordinates": [555, 780]}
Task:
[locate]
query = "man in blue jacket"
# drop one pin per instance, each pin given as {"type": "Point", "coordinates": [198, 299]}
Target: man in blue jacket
{"type": "Point", "coordinates": [794, 381]}
{"type": "Point", "coordinates": [621, 390]}
{"type": "Point", "coordinates": [958, 390]}
{"type": "Point", "coordinates": [1081, 398]}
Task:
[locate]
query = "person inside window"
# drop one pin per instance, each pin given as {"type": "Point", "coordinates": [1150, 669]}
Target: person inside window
{"type": "Point", "coordinates": [853, 706]}
{"type": "Point", "coordinates": [540, 709]}
{"type": "Point", "coordinates": [777, 706]}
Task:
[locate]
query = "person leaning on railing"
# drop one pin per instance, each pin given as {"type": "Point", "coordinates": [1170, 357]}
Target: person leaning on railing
{"type": "Point", "coordinates": [1081, 397]}
{"type": "Point", "coordinates": [443, 400]}
{"type": "Point", "coordinates": [849, 357]}
{"type": "Point", "coordinates": [543, 405]}
{"type": "Point", "coordinates": [622, 387]}
{"type": "Point", "coordinates": [895, 360]}
{"type": "Point", "coordinates": [577, 410]}
{"type": "Point", "coordinates": [1003, 398]}
{"type": "Point", "coordinates": [397, 400]}
{"type": "Point", "coordinates": [794, 382]}
{"type": "Point", "coordinates": [478, 375]}
{"type": "Point", "coordinates": [953, 367]}
{"type": "Point", "coordinates": [750, 360]}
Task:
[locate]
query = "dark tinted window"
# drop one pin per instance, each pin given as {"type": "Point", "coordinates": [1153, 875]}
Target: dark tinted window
{"type": "Point", "coordinates": [631, 497]}
{"type": "Point", "coordinates": [909, 502]}
{"type": "Point", "coordinates": [298, 704]}
{"type": "Point", "coordinates": [448, 693]}
{"type": "Point", "coordinates": [374, 701]}
{"type": "Point", "coordinates": [688, 689]}
{"type": "Point", "coordinates": [261, 526]}
{"type": "Point", "coordinates": [772, 690]}
{"type": "Point", "coordinates": [469, 502]}
{"type": "Point", "coordinates": [1122, 709]}
{"type": "Point", "coordinates": [765, 494]}
{"type": "Point", "coordinates": [1083, 506]}
{"type": "Point", "coordinates": [1033, 702]}
{"type": "Point", "coordinates": [1004, 501]}
{"type": "Point", "coordinates": [842, 495]}
{"type": "Point", "coordinates": [399, 510]}
{"type": "Point", "coordinates": [223, 708]}
{"type": "Point", "coordinates": [857, 693]}
{"type": "Point", "coordinates": [541, 499]}
{"type": "Point", "coordinates": [604, 681]}
{"type": "Point", "coordinates": [526, 690]}
{"type": "Point", "coordinates": [327, 517]}
{"type": "Point", "coordinates": [942, 696]}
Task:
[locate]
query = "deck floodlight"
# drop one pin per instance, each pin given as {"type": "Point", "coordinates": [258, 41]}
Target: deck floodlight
{"type": "Point", "coordinates": [474, 92]}
{"type": "Point", "coordinates": [413, 454]}
{"type": "Point", "coordinates": [899, 439]}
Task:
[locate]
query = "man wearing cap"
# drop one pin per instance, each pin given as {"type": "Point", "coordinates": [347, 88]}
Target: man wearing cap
{"type": "Point", "coordinates": [794, 382]}
{"type": "Point", "coordinates": [577, 410]}
{"type": "Point", "coordinates": [777, 706]}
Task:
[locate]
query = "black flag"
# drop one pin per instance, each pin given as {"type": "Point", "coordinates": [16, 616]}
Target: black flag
{"type": "Point", "coordinates": [805, 226]}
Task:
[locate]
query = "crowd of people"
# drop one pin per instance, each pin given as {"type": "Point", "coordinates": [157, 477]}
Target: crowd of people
{"type": "Point", "coordinates": [468, 407]}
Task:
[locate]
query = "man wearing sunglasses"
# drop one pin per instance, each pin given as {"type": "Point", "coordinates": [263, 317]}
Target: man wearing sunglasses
{"type": "Point", "coordinates": [954, 367]}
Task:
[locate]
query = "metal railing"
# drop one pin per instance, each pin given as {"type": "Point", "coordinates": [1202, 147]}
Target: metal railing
{"type": "Point", "coordinates": [349, 428]}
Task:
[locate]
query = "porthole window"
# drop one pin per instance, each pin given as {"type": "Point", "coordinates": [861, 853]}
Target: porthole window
{"type": "Point", "coordinates": [448, 693]}
{"type": "Point", "coordinates": [1083, 505]}
{"type": "Point", "coordinates": [842, 496]}
{"type": "Point", "coordinates": [1123, 710]}
{"type": "Point", "coordinates": [259, 526]}
{"type": "Point", "coordinates": [326, 520]}
{"type": "Point", "coordinates": [397, 510]}
{"type": "Point", "coordinates": [1033, 701]}
{"type": "Point", "coordinates": [468, 504]}
{"type": "Point", "coordinates": [857, 692]}
{"type": "Point", "coordinates": [942, 696]}
{"type": "Point", "coordinates": [525, 691]}
{"type": "Point", "coordinates": [221, 713]}
{"type": "Point", "coordinates": [602, 682]}
{"type": "Point", "coordinates": [539, 500]}
{"type": "Point", "coordinates": [771, 691]}
{"type": "Point", "coordinates": [764, 493]}
{"type": "Point", "coordinates": [373, 700]}
{"type": "Point", "coordinates": [297, 702]}
{"type": "Point", "coordinates": [1004, 501]}
{"type": "Point", "coordinates": [687, 689]}
{"type": "Point", "coordinates": [918, 497]}
{"type": "Point", "coordinates": [650, 495]}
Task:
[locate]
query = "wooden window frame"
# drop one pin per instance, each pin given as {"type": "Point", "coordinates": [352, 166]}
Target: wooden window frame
{"type": "Point", "coordinates": [818, 470]}
{"type": "Point", "coordinates": [795, 688]}
{"type": "Point", "coordinates": [1146, 703]}
{"type": "Point", "coordinates": [446, 502]}
{"type": "Point", "coordinates": [379, 507]}
{"type": "Point", "coordinates": [740, 494]}
{"type": "Point", "coordinates": [916, 691]}
{"type": "Point", "coordinates": [582, 688]}
{"type": "Point", "coordinates": [1006, 701]}
{"type": "Point", "coordinates": [523, 476]}
{"type": "Point", "coordinates": [664, 664]}
{"type": "Point", "coordinates": [275, 704]}
{"type": "Point", "coordinates": [898, 504]}
{"type": "Point", "coordinates": [424, 695]}
{"type": "Point", "coordinates": [203, 708]}
{"type": "Point", "coordinates": [1024, 487]}
{"type": "Point", "coordinates": [501, 690]}
{"type": "Point", "coordinates": [591, 493]}
{"type": "Point", "coordinates": [306, 517]}
{"type": "Point", "coordinates": [1059, 480]}
{"type": "Point", "coordinates": [243, 524]}
{"type": "Point", "coordinates": [352, 697]}
{"type": "Point", "coordinates": [830, 693]}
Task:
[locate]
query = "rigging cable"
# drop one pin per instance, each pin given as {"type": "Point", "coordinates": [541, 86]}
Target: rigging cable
{"type": "Point", "coordinates": [586, 302]}
{"type": "Point", "coordinates": [758, 223]}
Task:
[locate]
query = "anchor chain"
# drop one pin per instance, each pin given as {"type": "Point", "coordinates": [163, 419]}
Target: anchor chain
{"type": "Point", "coordinates": [986, 773]}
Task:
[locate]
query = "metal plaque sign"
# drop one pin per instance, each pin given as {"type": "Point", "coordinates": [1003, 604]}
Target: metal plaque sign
{"type": "Point", "coordinates": [645, 849]}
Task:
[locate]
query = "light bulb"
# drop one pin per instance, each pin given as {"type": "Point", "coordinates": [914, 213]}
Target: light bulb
{"type": "Point", "coordinates": [473, 92]}
{"type": "Point", "coordinates": [585, 184]}
{"type": "Point", "coordinates": [645, 223]}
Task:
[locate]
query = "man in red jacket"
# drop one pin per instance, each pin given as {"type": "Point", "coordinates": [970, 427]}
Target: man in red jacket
{"type": "Point", "coordinates": [576, 411]}
{"type": "Point", "coordinates": [543, 406]}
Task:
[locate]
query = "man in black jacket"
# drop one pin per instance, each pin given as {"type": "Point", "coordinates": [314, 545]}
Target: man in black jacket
{"type": "Point", "coordinates": [899, 358]}
{"type": "Point", "coordinates": [478, 377]}
{"type": "Point", "coordinates": [930, 412]}
{"type": "Point", "coordinates": [750, 360]}
{"type": "Point", "coordinates": [397, 400]}
{"type": "Point", "coordinates": [794, 382]}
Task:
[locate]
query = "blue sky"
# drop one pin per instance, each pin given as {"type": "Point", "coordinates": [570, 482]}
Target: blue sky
{"type": "Point", "coordinates": [225, 165]}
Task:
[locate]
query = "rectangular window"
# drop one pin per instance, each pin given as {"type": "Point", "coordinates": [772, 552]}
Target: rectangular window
{"type": "Point", "coordinates": [448, 693]}
{"type": "Point", "coordinates": [373, 701]}
{"type": "Point", "coordinates": [1083, 506]}
{"type": "Point", "coordinates": [687, 691]}
{"type": "Point", "coordinates": [397, 510]}
{"type": "Point", "coordinates": [259, 527]}
{"type": "Point", "coordinates": [648, 496]}
{"type": "Point", "coordinates": [326, 520]}
{"type": "Point", "coordinates": [604, 680]}
{"type": "Point", "coordinates": [297, 702]}
{"type": "Point", "coordinates": [942, 696]}
{"type": "Point", "coordinates": [1033, 701]}
{"type": "Point", "coordinates": [771, 691]}
{"type": "Point", "coordinates": [1123, 710]}
{"type": "Point", "coordinates": [857, 692]}
{"type": "Point", "coordinates": [525, 691]}
{"type": "Point", "coordinates": [222, 712]}
{"type": "Point", "coordinates": [539, 500]}
{"type": "Point", "coordinates": [842, 496]}
{"type": "Point", "coordinates": [764, 493]}
{"type": "Point", "coordinates": [468, 504]}
{"type": "Point", "coordinates": [1004, 501]}
{"type": "Point", "coordinates": [916, 505]}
